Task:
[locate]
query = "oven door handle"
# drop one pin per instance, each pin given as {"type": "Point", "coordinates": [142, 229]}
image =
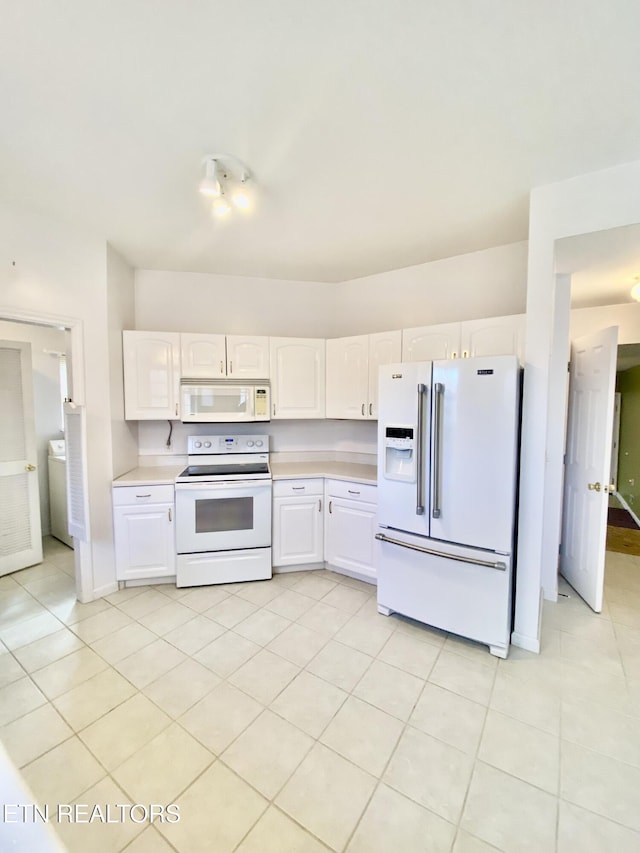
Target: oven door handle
{"type": "Point", "coordinates": [224, 484]}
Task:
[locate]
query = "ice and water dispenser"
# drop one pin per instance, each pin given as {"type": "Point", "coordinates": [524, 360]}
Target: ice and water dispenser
{"type": "Point", "coordinates": [400, 453]}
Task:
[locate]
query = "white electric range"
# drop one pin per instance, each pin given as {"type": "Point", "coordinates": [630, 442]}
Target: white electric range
{"type": "Point", "coordinates": [223, 511]}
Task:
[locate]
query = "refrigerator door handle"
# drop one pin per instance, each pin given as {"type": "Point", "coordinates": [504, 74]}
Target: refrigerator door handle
{"type": "Point", "coordinates": [420, 452]}
{"type": "Point", "coordinates": [438, 390]}
{"type": "Point", "coordinates": [502, 567]}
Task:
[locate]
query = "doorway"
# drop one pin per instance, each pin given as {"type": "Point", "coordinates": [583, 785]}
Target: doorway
{"type": "Point", "coordinates": [602, 268]}
{"type": "Point", "coordinates": [46, 350]}
{"type": "Point", "coordinates": [73, 349]}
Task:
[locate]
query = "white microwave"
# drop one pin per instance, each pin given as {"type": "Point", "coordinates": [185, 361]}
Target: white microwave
{"type": "Point", "coordinates": [224, 401]}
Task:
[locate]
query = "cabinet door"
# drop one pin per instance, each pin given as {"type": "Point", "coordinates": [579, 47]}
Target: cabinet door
{"type": "Point", "coordinates": [429, 343]}
{"type": "Point", "coordinates": [493, 336]}
{"type": "Point", "coordinates": [144, 541]}
{"type": "Point", "coordinates": [203, 356]}
{"type": "Point", "coordinates": [151, 375]}
{"type": "Point", "coordinates": [384, 348]}
{"type": "Point", "coordinates": [350, 536]}
{"type": "Point", "coordinates": [297, 531]}
{"type": "Point", "coordinates": [247, 357]}
{"type": "Point", "coordinates": [348, 377]}
{"type": "Point", "coordinates": [297, 377]}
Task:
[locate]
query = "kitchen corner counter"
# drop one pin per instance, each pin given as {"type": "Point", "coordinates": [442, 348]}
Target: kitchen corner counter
{"type": "Point", "coordinates": [352, 471]}
{"type": "Point", "coordinates": [161, 475]}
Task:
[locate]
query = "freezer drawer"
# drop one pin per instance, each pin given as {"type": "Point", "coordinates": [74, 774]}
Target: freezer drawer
{"type": "Point", "coordinates": [461, 590]}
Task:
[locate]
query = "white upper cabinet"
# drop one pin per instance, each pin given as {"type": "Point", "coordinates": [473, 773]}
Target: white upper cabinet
{"type": "Point", "coordinates": [297, 377]}
{"type": "Point", "coordinates": [151, 375]}
{"type": "Point", "coordinates": [352, 373]}
{"type": "Point", "coordinates": [493, 336]}
{"type": "Point", "coordinates": [489, 336]}
{"type": "Point", "coordinates": [203, 356]}
{"type": "Point", "coordinates": [427, 343]}
{"type": "Point", "coordinates": [384, 348]}
{"type": "Point", "coordinates": [247, 357]}
{"type": "Point", "coordinates": [220, 356]}
{"type": "Point", "coordinates": [348, 377]}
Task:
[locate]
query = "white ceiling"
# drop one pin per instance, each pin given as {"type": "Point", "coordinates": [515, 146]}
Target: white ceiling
{"type": "Point", "coordinates": [382, 133]}
{"type": "Point", "coordinates": [603, 265]}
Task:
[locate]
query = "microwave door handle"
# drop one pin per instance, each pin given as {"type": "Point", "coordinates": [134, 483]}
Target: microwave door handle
{"type": "Point", "coordinates": [437, 448]}
{"type": "Point", "coordinates": [420, 452]}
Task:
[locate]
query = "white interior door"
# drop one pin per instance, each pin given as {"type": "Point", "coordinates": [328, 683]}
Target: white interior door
{"type": "Point", "coordinates": [20, 532]}
{"type": "Point", "coordinates": [592, 381]}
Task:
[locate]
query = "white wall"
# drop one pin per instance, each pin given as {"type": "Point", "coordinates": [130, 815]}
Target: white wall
{"type": "Point", "coordinates": [582, 205]}
{"type": "Point", "coordinates": [626, 317]}
{"type": "Point", "coordinates": [49, 269]}
{"type": "Point", "coordinates": [46, 393]}
{"type": "Point", "coordinates": [120, 315]}
{"type": "Point", "coordinates": [490, 283]}
{"type": "Point", "coordinates": [198, 302]}
{"type": "Point", "coordinates": [323, 437]}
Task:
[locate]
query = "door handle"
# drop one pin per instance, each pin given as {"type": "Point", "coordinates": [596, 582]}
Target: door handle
{"type": "Point", "coordinates": [176, 410]}
{"type": "Point", "coordinates": [437, 447]}
{"type": "Point", "coordinates": [169, 513]}
{"type": "Point", "coordinates": [221, 367]}
{"type": "Point", "coordinates": [319, 504]}
{"type": "Point", "coordinates": [370, 409]}
{"type": "Point", "coordinates": [595, 487]}
{"type": "Point", "coordinates": [230, 367]}
{"type": "Point", "coordinates": [419, 453]}
{"type": "Point", "coordinates": [363, 410]}
{"type": "Point", "coordinates": [29, 467]}
{"type": "Point", "coordinates": [274, 410]}
{"type": "Point", "coordinates": [330, 504]}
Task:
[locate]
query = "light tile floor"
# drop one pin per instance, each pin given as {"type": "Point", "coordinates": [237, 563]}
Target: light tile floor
{"type": "Point", "coordinates": [288, 715]}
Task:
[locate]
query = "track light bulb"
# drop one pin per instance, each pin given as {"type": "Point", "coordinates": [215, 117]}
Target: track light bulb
{"type": "Point", "coordinates": [635, 290]}
{"type": "Point", "coordinates": [221, 206]}
{"type": "Point", "coordinates": [241, 197]}
{"type": "Point", "coordinates": [210, 185]}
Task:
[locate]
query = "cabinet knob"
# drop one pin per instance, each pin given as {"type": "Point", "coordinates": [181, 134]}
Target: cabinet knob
{"type": "Point", "coordinates": [170, 515]}
{"type": "Point", "coordinates": [29, 467]}
{"type": "Point", "coordinates": [221, 366]}
{"type": "Point", "coordinates": [330, 505]}
{"type": "Point", "coordinates": [370, 408]}
{"type": "Point", "coordinates": [230, 367]}
{"type": "Point", "coordinates": [319, 504]}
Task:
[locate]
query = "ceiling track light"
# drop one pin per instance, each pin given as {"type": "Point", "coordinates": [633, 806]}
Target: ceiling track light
{"type": "Point", "coordinates": [635, 290]}
{"type": "Point", "coordinates": [226, 180]}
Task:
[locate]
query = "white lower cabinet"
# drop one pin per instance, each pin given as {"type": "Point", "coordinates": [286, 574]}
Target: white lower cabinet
{"type": "Point", "coordinates": [350, 528]}
{"type": "Point", "coordinates": [297, 522]}
{"type": "Point", "coordinates": [143, 519]}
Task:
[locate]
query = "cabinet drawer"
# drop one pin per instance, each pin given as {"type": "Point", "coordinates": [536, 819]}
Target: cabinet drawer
{"type": "Point", "coordinates": [291, 488]}
{"type": "Point", "coordinates": [352, 491]}
{"type": "Point", "coordinates": [138, 495]}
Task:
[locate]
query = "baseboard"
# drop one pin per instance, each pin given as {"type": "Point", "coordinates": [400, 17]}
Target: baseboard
{"type": "Point", "coordinates": [530, 644]}
{"type": "Point", "coordinates": [107, 589]}
{"type": "Point", "coordinates": [301, 567]}
{"type": "Point", "coordinates": [151, 581]}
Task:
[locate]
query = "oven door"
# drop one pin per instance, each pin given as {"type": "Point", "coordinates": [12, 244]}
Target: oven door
{"type": "Point", "coordinates": [223, 516]}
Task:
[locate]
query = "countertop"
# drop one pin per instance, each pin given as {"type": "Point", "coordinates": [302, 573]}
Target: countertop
{"type": "Point", "coordinates": [159, 475]}
{"type": "Point", "coordinates": [336, 470]}
{"type": "Point", "coordinates": [151, 475]}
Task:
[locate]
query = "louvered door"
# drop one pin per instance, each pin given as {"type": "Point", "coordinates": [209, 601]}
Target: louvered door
{"type": "Point", "coordinates": [20, 532]}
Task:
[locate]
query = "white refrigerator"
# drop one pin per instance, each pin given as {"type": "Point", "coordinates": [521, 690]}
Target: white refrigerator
{"type": "Point", "coordinates": [448, 439]}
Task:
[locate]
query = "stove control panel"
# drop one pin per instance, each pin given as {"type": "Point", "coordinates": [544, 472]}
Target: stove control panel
{"type": "Point", "coordinates": [227, 444]}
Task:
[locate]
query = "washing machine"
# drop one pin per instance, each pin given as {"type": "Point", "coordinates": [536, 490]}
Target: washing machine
{"type": "Point", "coordinates": [58, 491]}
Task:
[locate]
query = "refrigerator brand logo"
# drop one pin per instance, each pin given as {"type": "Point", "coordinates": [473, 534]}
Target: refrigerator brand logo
{"type": "Point", "coordinates": [396, 376]}
{"type": "Point", "coordinates": [484, 372]}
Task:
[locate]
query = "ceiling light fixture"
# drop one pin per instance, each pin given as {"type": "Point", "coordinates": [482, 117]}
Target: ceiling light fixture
{"type": "Point", "coordinates": [210, 185]}
{"type": "Point", "coordinates": [226, 179]}
{"type": "Point", "coordinates": [635, 290]}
